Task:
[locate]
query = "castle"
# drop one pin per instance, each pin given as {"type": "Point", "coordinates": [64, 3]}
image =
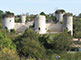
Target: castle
{"type": "Point", "coordinates": [64, 21]}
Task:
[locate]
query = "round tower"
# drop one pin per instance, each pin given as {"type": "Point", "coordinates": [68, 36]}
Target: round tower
{"type": "Point", "coordinates": [23, 18]}
{"type": "Point", "coordinates": [40, 24]}
{"type": "Point", "coordinates": [59, 15]}
{"type": "Point", "coordinates": [68, 22]}
{"type": "Point", "coordinates": [8, 22]}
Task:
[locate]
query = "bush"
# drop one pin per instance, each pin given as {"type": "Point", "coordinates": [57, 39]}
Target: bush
{"type": "Point", "coordinates": [29, 45]}
{"type": "Point", "coordinates": [8, 54]}
{"type": "Point", "coordinates": [6, 42]}
{"type": "Point", "coordinates": [62, 42]}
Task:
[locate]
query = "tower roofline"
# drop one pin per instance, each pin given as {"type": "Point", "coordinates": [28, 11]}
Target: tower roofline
{"type": "Point", "coordinates": [8, 14]}
{"type": "Point", "coordinates": [59, 11]}
{"type": "Point", "coordinates": [68, 14]}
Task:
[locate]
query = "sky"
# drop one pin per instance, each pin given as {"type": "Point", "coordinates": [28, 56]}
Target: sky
{"type": "Point", "coordinates": [37, 6]}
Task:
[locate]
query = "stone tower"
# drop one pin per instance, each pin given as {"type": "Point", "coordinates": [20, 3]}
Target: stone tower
{"type": "Point", "coordinates": [59, 15]}
{"type": "Point", "coordinates": [40, 24]}
{"type": "Point", "coordinates": [23, 18]}
{"type": "Point", "coordinates": [8, 21]}
{"type": "Point", "coordinates": [68, 22]}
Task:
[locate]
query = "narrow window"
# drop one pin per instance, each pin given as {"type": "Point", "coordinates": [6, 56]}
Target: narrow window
{"type": "Point", "coordinates": [39, 28]}
{"type": "Point", "coordinates": [10, 20]}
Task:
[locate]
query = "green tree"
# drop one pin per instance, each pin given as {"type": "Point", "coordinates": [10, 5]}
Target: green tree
{"type": "Point", "coordinates": [8, 14]}
{"type": "Point", "coordinates": [1, 14]}
{"type": "Point", "coordinates": [29, 45]}
{"type": "Point", "coordinates": [76, 28]}
{"type": "Point", "coordinates": [62, 42]}
{"type": "Point", "coordinates": [42, 13]}
{"type": "Point", "coordinates": [79, 15]}
{"type": "Point", "coordinates": [7, 54]}
{"type": "Point", "coordinates": [6, 42]}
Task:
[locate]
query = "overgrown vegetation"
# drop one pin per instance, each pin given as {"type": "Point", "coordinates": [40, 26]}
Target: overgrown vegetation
{"type": "Point", "coordinates": [33, 46]}
{"type": "Point", "coordinates": [77, 27]}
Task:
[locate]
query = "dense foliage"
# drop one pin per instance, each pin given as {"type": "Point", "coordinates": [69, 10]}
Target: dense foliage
{"type": "Point", "coordinates": [32, 46]}
{"type": "Point", "coordinates": [62, 42]}
{"type": "Point", "coordinates": [7, 48]}
{"type": "Point", "coordinates": [59, 11]}
{"type": "Point", "coordinates": [59, 43]}
{"type": "Point", "coordinates": [1, 14]}
{"type": "Point", "coordinates": [29, 45]}
{"type": "Point", "coordinates": [77, 28]}
{"type": "Point", "coordinates": [42, 13]}
{"type": "Point", "coordinates": [6, 42]}
{"type": "Point", "coordinates": [8, 14]}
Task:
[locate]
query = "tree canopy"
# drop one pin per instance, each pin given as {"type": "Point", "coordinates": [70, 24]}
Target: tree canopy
{"type": "Point", "coordinates": [62, 42]}
{"type": "Point", "coordinates": [76, 28]}
{"type": "Point", "coordinates": [30, 46]}
{"type": "Point", "coordinates": [42, 13]}
{"type": "Point", "coordinates": [6, 42]}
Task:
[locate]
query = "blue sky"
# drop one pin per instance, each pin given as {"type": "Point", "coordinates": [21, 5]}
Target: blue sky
{"type": "Point", "coordinates": [37, 6]}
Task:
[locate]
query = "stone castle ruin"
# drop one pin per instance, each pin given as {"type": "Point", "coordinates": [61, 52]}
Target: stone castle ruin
{"type": "Point", "coordinates": [64, 22]}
